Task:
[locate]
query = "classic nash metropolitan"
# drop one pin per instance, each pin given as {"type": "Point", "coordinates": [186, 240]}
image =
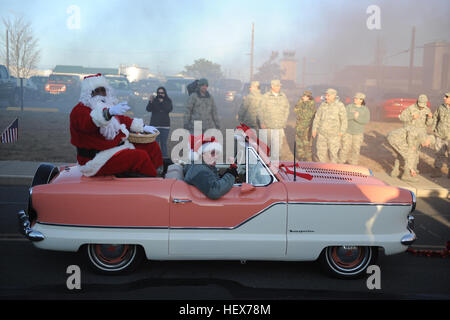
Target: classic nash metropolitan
{"type": "Point", "coordinates": [338, 214]}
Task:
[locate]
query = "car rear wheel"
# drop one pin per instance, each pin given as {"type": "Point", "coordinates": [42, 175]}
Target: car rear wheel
{"type": "Point", "coordinates": [348, 261]}
{"type": "Point", "coordinates": [114, 258]}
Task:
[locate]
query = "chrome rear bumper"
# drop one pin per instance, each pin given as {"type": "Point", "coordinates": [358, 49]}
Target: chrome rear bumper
{"type": "Point", "coordinates": [25, 227]}
{"type": "Point", "coordinates": [411, 237]}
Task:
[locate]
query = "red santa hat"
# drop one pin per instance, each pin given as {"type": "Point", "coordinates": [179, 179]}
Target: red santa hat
{"type": "Point", "coordinates": [200, 145]}
{"type": "Point", "coordinates": [91, 83]}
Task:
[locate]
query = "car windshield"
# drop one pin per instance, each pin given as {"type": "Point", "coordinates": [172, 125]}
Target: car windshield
{"type": "Point", "coordinates": [147, 84]}
{"type": "Point", "coordinates": [177, 85]}
{"type": "Point", "coordinates": [119, 83]}
{"type": "Point", "coordinates": [60, 77]}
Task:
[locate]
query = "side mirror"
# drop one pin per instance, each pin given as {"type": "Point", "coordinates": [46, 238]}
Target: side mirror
{"type": "Point", "coordinates": [246, 188]}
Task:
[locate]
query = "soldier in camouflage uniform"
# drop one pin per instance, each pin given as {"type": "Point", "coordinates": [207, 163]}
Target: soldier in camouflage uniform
{"type": "Point", "coordinates": [358, 115]}
{"type": "Point", "coordinates": [249, 112]}
{"type": "Point", "coordinates": [200, 106]}
{"type": "Point", "coordinates": [417, 116]}
{"type": "Point", "coordinates": [275, 112]}
{"type": "Point", "coordinates": [305, 109]}
{"type": "Point", "coordinates": [405, 143]}
{"type": "Point", "coordinates": [329, 124]}
{"type": "Point", "coordinates": [441, 129]}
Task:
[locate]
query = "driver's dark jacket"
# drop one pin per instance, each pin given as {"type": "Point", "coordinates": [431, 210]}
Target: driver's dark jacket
{"type": "Point", "coordinates": [206, 178]}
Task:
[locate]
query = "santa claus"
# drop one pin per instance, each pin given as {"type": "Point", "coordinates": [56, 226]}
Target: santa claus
{"type": "Point", "coordinates": [99, 130]}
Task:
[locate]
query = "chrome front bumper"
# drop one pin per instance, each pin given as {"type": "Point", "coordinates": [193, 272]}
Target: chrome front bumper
{"type": "Point", "coordinates": [408, 239]}
{"type": "Point", "coordinates": [25, 227]}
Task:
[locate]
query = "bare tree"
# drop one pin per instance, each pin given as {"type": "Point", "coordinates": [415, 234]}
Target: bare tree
{"type": "Point", "coordinates": [24, 53]}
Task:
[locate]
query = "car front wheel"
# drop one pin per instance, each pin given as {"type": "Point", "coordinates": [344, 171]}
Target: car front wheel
{"type": "Point", "coordinates": [114, 258]}
{"type": "Point", "coordinates": [348, 261]}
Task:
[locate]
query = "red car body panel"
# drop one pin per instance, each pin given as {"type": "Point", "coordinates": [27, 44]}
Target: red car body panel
{"type": "Point", "coordinates": [393, 107]}
{"type": "Point", "coordinates": [146, 202]}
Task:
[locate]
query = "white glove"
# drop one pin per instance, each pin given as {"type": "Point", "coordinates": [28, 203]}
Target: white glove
{"type": "Point", "coordinates": [150, 129]}
{"type": "Point", "coordinates": [119, 109]}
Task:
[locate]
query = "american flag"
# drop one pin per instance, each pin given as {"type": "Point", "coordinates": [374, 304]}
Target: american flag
{"type": "Point", "coordinates": [11, 134]}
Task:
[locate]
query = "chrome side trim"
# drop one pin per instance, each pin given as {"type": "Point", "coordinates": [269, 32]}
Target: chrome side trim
{"type": "Point", "coordinates": [224, 228]}
{"type": "Point", "coordinates": [352, 203]}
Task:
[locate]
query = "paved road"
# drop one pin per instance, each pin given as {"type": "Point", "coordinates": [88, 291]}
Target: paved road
{"type": "Point", "coordinates": [27, 272]}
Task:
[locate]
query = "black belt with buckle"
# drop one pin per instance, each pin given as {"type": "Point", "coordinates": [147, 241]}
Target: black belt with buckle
{"type": "Point", "coordinates": [91, 153]}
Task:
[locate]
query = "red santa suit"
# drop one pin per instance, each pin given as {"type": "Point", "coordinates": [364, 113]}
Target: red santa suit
{"type": "Point", "coordinates": [102, 145]}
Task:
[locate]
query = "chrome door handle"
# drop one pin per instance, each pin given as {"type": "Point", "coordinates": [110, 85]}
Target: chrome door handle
{"type": "Point", "coordinates": [181, 200]}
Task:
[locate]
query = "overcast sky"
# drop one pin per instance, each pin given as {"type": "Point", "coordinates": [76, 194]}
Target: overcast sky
{"type": "Point", "coordinates": [167, 35]}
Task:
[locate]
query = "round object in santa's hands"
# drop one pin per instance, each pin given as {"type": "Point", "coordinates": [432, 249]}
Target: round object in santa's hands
{"type": "Point", "coordinates": [136, 137]}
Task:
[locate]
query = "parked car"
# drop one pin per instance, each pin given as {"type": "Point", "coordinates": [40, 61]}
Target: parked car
{"type": "Point", "coordinates": [63, 86]}
{"type": "Point", "coordinates": [35, 87]}
{"type": "Point", "coordinates": [225, 90]}
{"type": "Point", "coordinates": [122, 90]}
{"type": "Point", "coordinates": [143, 89]}
{"type": "Point", "coordinates": [338, 214]}
{"type": "Point", "coordinates": [177, 91]}
{"type": "Point", "coordinates": [394, 103]}
{"type": "Point", "coordinates": [9, 91]}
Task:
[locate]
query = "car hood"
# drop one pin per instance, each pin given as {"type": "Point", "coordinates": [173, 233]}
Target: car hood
{"type": "Point", "coordinates": [338, 183]}
{"type": "Point", "coordinates": [326, 173]}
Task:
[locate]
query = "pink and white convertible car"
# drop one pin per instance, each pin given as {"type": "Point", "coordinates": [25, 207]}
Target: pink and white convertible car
{"type": "Point", "coordinates": [338, 214]}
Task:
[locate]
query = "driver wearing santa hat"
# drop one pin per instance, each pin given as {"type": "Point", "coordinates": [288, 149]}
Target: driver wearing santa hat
{"type": "Point", "coordinates": [205, 176]}
{"type": "Point", "coordinates": [99, 130]}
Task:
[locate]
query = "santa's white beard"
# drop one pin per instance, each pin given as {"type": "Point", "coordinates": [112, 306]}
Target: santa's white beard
{"type": "Point", "coordinates": [112, 127]}
{"type": "Point", "coordinates": [102, 102]}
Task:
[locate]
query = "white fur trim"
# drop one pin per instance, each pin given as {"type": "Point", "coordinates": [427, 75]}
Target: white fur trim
{"type": "Point", "coordinates": [91, 83]}
{"type": "Point", "coordinates": [98, 118]}
{"type": "Point", "coordinates": [209, 147]}
{"type": "Point", "coordinates": [93, 166]}
{"type": "Point", "coordinates": [137, 125]}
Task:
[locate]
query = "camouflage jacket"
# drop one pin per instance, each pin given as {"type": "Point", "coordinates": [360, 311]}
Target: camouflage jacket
{"type": "Point", "coordinates": [201, 108]}
{"type": "Point", "coordinates": [406, 141]}
{"type": "Point", "coordinates": [420, 123]}
{"type": "Point", "coordinates": [249, 112]}
{"type": "Point", "coordinates": [441, 122]}
{"type": "Point", "coordinates": [275, 110]}
{"type": "Point", "coordinates": [356, 126]}
{"type": "Point", "coordinates": [330, 119]}
{"type": "Point", "coordinates": [305, 112]}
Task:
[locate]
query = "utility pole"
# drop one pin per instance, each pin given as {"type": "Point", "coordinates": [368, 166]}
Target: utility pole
{"type": "Point", "coordinates": [411, 59]}
{"type": "Point", "coordinates": [252, 51]}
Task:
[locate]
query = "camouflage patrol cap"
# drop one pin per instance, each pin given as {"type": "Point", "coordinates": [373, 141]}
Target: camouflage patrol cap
{"type": "Point", "coordinates": [360, 95]}
{"type": "Point", "coordinates": [307, 93]}
{"type": "Point", "coordinates": [254, 84]}
{"type": "Point", "coordinates": [422, 101]}
{"type": "Point", "coordinates": [275, 83]}
{"type": "Point", "coordinates": [447, 94]}
{"type": "Point", "coordinates": [331, 91]}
